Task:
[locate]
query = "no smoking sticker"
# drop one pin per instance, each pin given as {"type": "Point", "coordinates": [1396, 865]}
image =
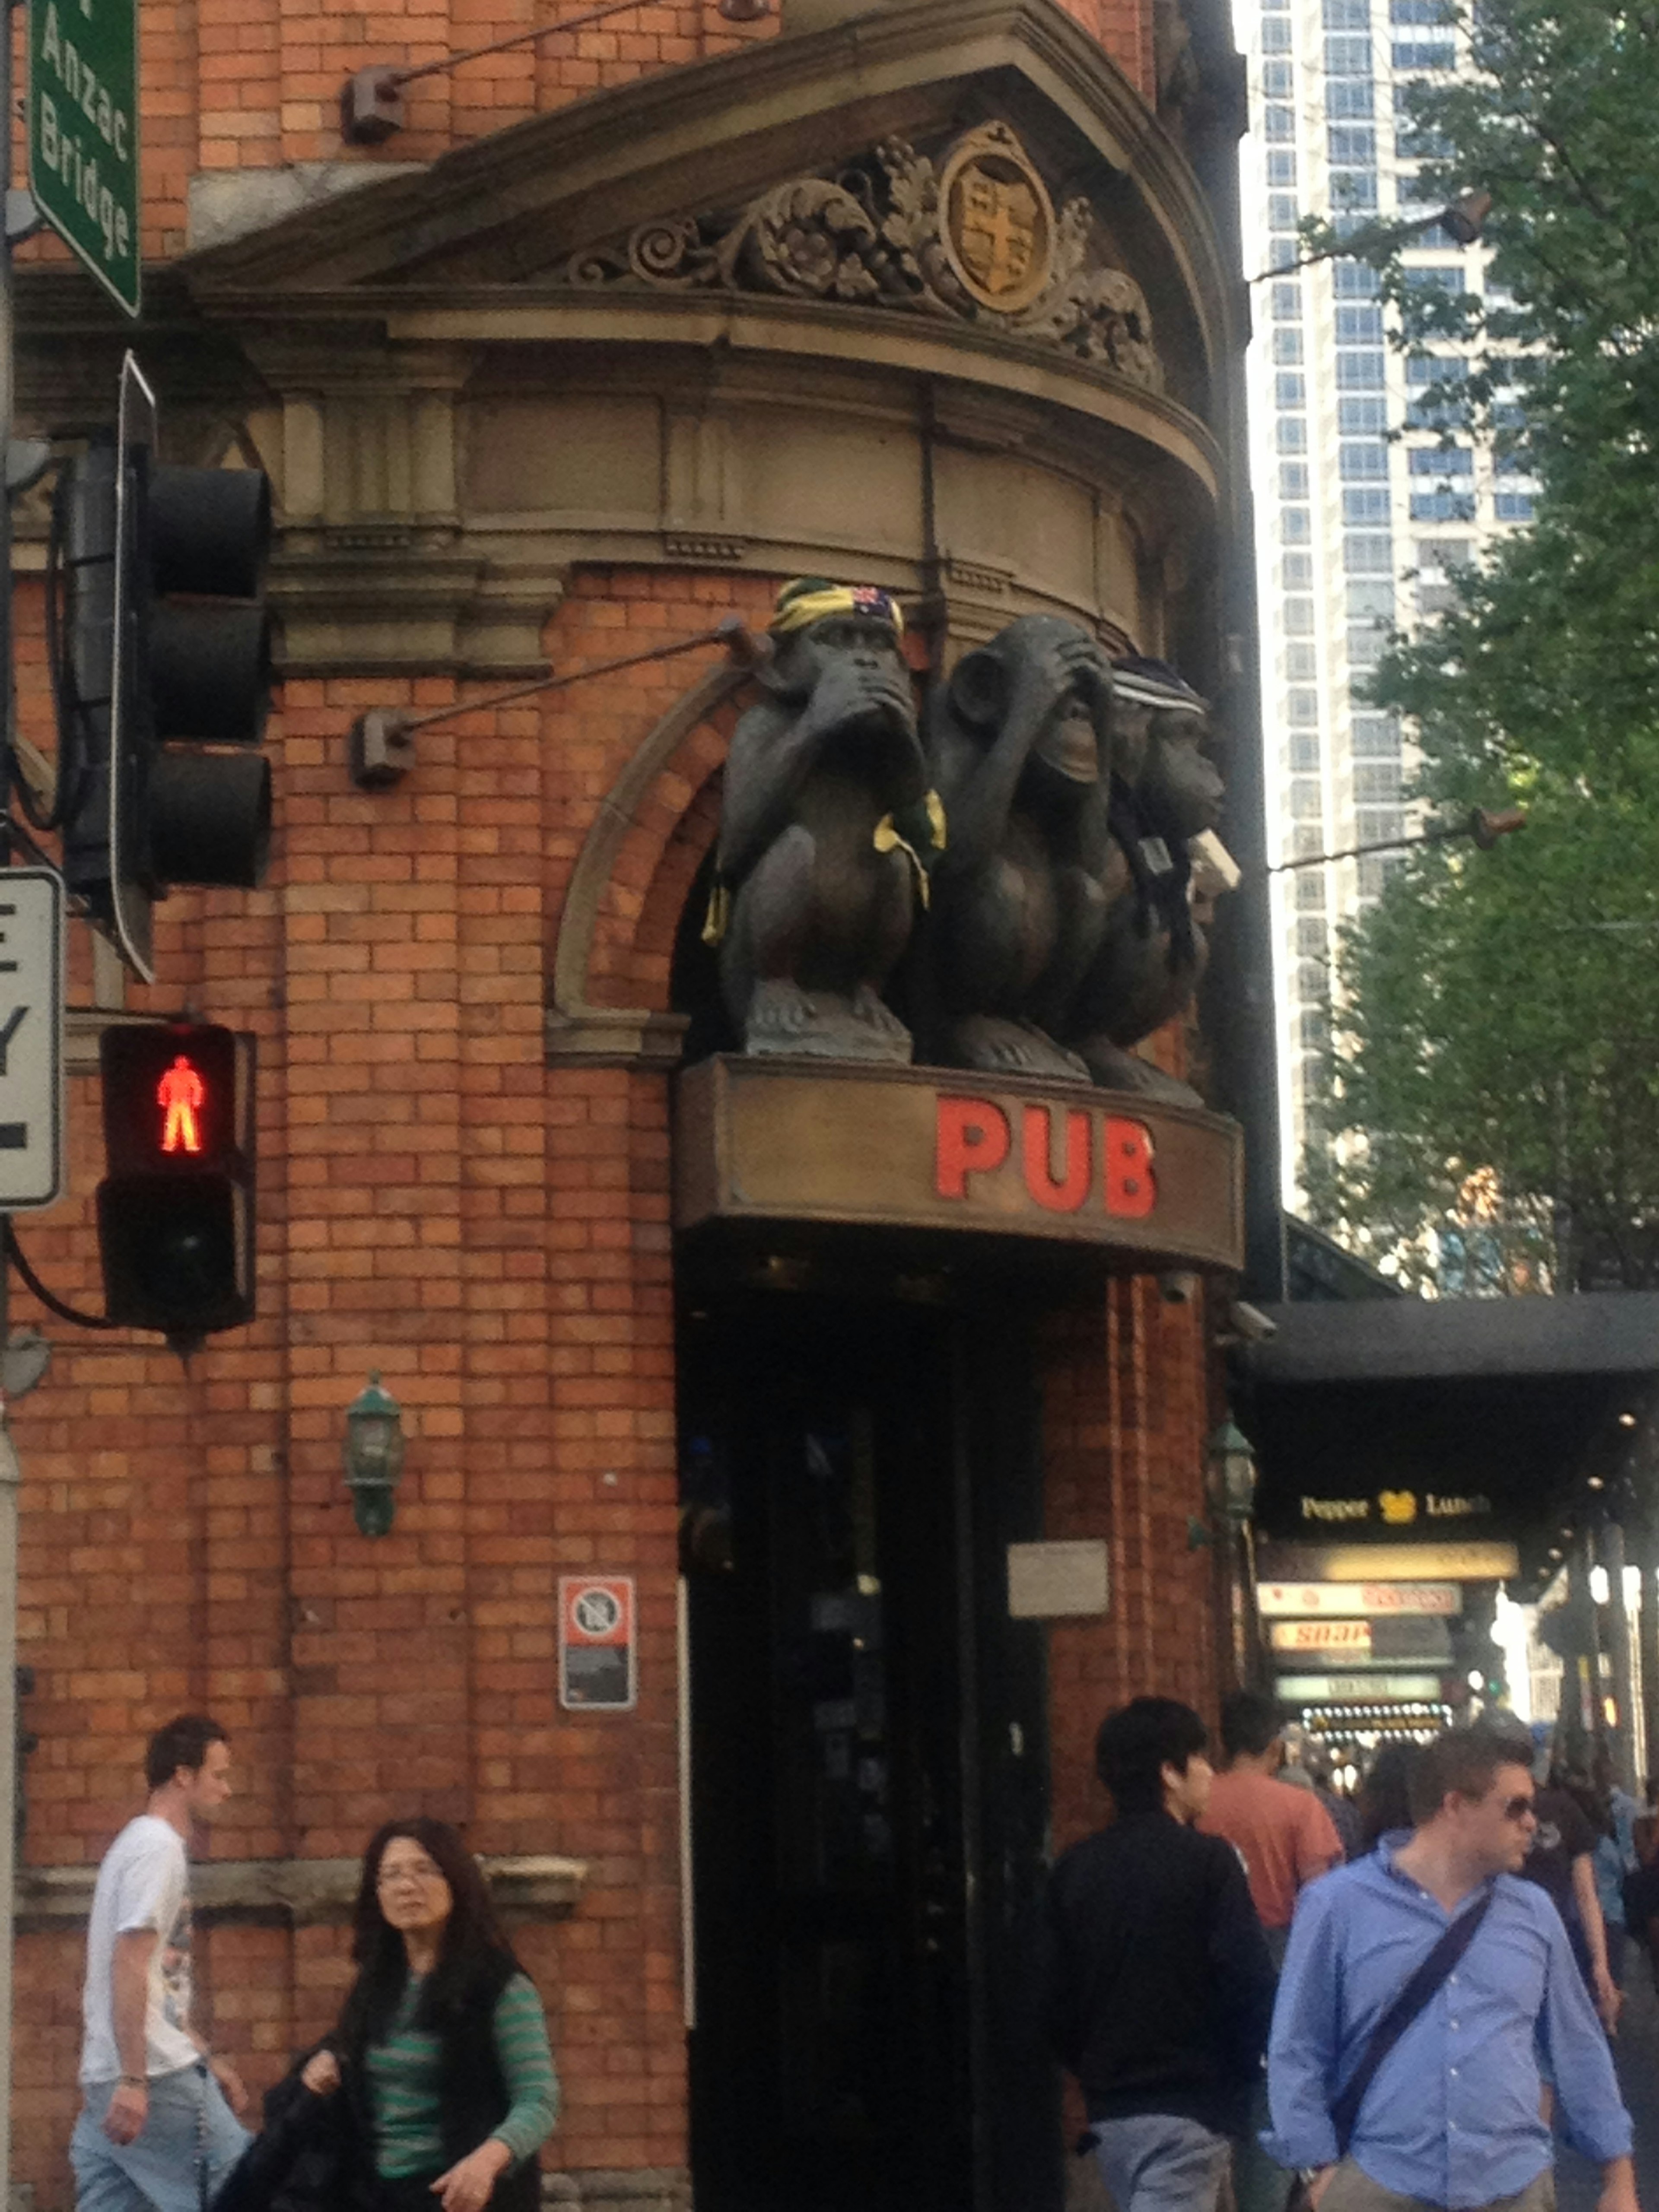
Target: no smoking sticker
{"type": "Point", "coordinates": [597, 1647]}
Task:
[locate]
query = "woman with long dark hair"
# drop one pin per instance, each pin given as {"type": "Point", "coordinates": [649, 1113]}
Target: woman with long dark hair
{"type": "Point", "coordinates": [441, 2052]}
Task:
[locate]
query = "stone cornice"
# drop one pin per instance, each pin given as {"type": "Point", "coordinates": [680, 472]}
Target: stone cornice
{"type": "Point", "coordinates": [299, 1891]}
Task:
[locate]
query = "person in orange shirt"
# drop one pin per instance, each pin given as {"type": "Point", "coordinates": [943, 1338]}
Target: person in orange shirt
{"type": "Point", "coordinates": [1286, 1839]}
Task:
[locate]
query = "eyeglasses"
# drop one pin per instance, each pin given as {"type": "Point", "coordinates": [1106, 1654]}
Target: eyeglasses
{"type": "Point", "coordinates": [1520, 1808]}
{"type": "Point", "coordinates": [389, 1877]}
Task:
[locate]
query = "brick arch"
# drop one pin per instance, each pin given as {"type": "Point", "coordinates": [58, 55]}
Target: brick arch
{"type": "Point", "coordinates": [615, 939]}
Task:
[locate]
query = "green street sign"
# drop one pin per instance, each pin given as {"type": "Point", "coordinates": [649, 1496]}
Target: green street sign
{"type": "Point", "coordinates": [83, 133]}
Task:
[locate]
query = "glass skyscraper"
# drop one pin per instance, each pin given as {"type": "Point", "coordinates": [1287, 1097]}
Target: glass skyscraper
{"type": "Point", "coordinates": [1368, 497]}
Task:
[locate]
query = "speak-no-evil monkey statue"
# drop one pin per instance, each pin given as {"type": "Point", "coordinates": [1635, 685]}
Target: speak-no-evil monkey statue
{"type": "Point", "coordinates": [828, 829]}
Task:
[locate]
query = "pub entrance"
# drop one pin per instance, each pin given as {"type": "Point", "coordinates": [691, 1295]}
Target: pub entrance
{"type": "Point", "coordinates": [868, 1783]}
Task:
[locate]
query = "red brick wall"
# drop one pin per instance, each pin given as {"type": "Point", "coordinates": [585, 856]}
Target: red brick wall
{"type": "Point", "coordinates": [1125, 1416]}
{"type": "Point", "coordinates": [255, 84]}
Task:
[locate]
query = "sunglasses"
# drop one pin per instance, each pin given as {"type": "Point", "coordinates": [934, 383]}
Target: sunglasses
{"type": "Point", "coordinates": [1520, 1808]}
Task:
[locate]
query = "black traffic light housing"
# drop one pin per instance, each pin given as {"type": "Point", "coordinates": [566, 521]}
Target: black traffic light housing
{"type": "Point", "coordinates": [175, 1209]}
{"type": "Point", "coordinates": [163, 669]}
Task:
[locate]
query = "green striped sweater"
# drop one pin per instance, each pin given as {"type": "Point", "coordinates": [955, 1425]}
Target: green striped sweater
{"type": "Point", "coordinates": [403, 2086]}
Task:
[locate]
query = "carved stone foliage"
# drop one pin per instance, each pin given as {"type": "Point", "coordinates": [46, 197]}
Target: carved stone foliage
{"type": "Point", "coordinates": [969, 235]}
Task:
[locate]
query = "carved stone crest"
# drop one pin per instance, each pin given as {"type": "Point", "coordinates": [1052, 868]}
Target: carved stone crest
{"type": "Point", "coordinates": [999, 223]}
{"type": "Point", "coordinates": [970, 236]}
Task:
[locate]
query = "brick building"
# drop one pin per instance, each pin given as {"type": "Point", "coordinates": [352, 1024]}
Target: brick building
{"type": "Point", "coordinates": [608, 340]}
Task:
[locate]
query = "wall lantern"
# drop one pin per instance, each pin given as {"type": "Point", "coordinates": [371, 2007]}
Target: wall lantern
{"type": "Point", "coordinates": [1232, 1473]}
{"type": "Point", "coordinates": [373, 1456]}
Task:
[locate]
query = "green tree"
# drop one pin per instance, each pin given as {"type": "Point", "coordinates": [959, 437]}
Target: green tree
{"type": "Point", "coordinates": [1498, 1013]}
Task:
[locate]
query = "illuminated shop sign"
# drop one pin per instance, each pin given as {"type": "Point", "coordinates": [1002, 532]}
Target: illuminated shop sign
{"type": "Point", "coordinates": [1281, 1599]}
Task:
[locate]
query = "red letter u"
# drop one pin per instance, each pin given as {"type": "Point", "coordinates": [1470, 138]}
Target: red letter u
{"type": "Point", "coordinates": [1066, 1195]}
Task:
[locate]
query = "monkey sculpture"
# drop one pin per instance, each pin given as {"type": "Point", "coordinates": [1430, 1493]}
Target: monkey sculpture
{"type": "Point", "coordinates": [1151, 951]}
{"type": "Point", "coordinates": [1019, 743]}
{"type": "Point", "coordinates": [827, 832]}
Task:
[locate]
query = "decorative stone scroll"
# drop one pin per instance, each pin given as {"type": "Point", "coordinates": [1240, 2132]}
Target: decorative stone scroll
{"type": "Point", "coordinates": [970, 236]}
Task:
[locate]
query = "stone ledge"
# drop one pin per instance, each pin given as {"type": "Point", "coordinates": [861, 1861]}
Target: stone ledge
{"type": "Point", "coordinates": [643, 2188]}
{"type": "Point", "coordinates": [300, 1892]}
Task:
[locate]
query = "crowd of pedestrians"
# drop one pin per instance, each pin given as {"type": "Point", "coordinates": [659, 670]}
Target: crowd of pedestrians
{"type": "Point", "coordinates": [1380, 2007]}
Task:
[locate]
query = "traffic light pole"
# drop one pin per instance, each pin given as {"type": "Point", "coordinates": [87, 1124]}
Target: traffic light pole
{"type": "Point", "coordinates": [10, 1473]}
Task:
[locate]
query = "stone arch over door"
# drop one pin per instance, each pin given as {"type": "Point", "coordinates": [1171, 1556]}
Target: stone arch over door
{"type": "Point", "coordinates": [616, 929]}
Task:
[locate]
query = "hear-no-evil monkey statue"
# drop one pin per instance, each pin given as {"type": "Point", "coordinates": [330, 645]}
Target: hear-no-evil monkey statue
{"type": "Point", "coordinates": [1152, 952]}
{"type": "Point", "coordinates": [1020, 741]}
{"type": "Point", "coordinates": [828, 828]}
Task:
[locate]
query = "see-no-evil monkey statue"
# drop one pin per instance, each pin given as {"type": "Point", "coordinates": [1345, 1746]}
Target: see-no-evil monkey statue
{"type": "Point", "coordinates": [827, 830]}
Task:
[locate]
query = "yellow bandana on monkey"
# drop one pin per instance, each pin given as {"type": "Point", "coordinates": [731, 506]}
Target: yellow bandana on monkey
{"type": "Point", "coordinates": [919, 834]}
{"type": "Point", "coordinates": [814, 598]}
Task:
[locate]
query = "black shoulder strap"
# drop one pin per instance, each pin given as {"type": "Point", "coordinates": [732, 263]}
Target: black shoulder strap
{"type": "Point", "coordinates": [1420, 1986]}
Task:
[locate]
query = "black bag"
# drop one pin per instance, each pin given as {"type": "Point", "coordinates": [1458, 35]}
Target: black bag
{"type": "Point", "coordinates": [1419, 1986]}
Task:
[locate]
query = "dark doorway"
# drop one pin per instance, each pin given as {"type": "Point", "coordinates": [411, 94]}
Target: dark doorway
{"type": "Point", "coordinates": [868, 1777]}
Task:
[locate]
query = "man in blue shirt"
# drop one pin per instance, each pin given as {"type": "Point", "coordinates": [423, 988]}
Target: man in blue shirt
{"type": "Point", "coordinates": [1452, 2116]}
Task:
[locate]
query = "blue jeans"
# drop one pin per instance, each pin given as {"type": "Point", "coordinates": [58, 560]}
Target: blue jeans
{"type": "Point", "coordinates": [190, 2141]}
{"type": "Point", "coordinates": [1154, 2162]}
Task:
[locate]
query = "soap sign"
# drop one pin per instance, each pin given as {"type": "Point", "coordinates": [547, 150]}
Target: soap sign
{"type": "Point", "coordinates": [599, 1649]}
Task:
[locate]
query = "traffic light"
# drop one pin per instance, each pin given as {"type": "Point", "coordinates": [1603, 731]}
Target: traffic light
{"type": "Point", "coordinates": [175, 1208]}
{"type": "Point", "coordinates": [162, 668]}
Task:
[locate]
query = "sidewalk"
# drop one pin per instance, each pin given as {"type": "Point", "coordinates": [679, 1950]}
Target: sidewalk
{"type": "Point", "coordinates": [1636, 2050]}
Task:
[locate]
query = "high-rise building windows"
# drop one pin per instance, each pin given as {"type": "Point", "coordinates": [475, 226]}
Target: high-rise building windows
{"type": "Point", "coordinates": [1296, 525]}
{"type": "Point", "coordinates": [1303, 751]}
{"type": "Point", "coordinates": [1347, 57]}
{"type": "Point", "coordinates": [1290, 434]}
{"type": "Point", "coordinates": [1352, 280]}
{"type": "Point", "coordinates": [1287, 349]}
{"type": "Point", "coordinates": [1367, 556]}
{"type": "Point", "coordinates": [1512, 506]}
{"type": "Point", "coordinates": [1441, 461]}
{"type": "Point", "coordinates": [1367, 506]}
{"type": "Point", "coordinates": [1310, 892]}
{"type": "Point", "coordinates": [1278, 80]}
{"type": "Point", "coordinates": [1350, 141]}
{"type": "Point", "coordinates": [1375, 737]}
{"type": "Point", "coordinates": [1302, 708]}
{"type": "Point", "coordinates": [1301, 663]}
{"type": "Point", "coordinates": [1293, 480]}
{"type": "Point", "coordinates": [1375, 599]}
{"type": "Point", "coordinates": [1298, 617]}
{"type": "Point", "coordinates": [1279, 125]}
{"type": "Point", "coordinates": [1275, 38]}
{"type": "Point", "coordinates": [1296, 572]}
{"type": "Point", "coordinates": [1357, 418]}
{"type": "Point", "coordinates": [1360, 372]}
{"type": "Point", "coordinates": [1354, 99]}
{"type": "Point", "coordinates": [1442, 506]}
{"type": "Point", "coordinates": [1281, 168]}
{"type": "Point", "coordinates": [1286, 302]}
{"type": "Point", "coordinates": [1281, 211]}
{"type": "Point", "coordinates": [1421, 55]}
{"type": "Point", "coordinates": [1288, 390]}
{"type": "Point", "coordinates": [1362, 463]}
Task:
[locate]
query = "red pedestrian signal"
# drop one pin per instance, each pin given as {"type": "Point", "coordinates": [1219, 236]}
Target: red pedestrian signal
{"type": "Point", "coordinates": [175, 1209]}
{"type": "Point", "coordinates": [180, 1095]}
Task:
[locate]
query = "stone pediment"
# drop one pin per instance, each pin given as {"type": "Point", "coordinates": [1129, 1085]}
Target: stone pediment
{"type": "Point", "coordinates": [1081, 228]}
{"type": "Point", "coordinates": [968, 233]}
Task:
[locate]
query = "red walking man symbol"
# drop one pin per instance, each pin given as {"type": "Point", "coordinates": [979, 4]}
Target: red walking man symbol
{"type": "Point", "coordinates": [181, 1092]}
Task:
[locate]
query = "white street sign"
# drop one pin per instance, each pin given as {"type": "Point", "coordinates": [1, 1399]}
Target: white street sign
{"type": "Point", "coordinates": [31, 1039]}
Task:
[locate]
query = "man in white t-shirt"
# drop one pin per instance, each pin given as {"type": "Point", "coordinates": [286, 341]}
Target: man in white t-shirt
{"type": "Point", "coordinates": [157, 2130]}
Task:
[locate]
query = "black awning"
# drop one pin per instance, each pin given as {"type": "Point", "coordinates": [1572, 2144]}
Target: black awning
{"type": "Point", "coordinates": [1392, 1420]}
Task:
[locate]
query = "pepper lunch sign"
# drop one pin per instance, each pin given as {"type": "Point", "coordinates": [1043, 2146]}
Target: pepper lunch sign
{"type": "Point", "coordinates": [931, 1149]}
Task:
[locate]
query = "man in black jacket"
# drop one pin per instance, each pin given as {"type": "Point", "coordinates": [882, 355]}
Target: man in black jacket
{"type": "Point", "coordinates": [1160, 1988]}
